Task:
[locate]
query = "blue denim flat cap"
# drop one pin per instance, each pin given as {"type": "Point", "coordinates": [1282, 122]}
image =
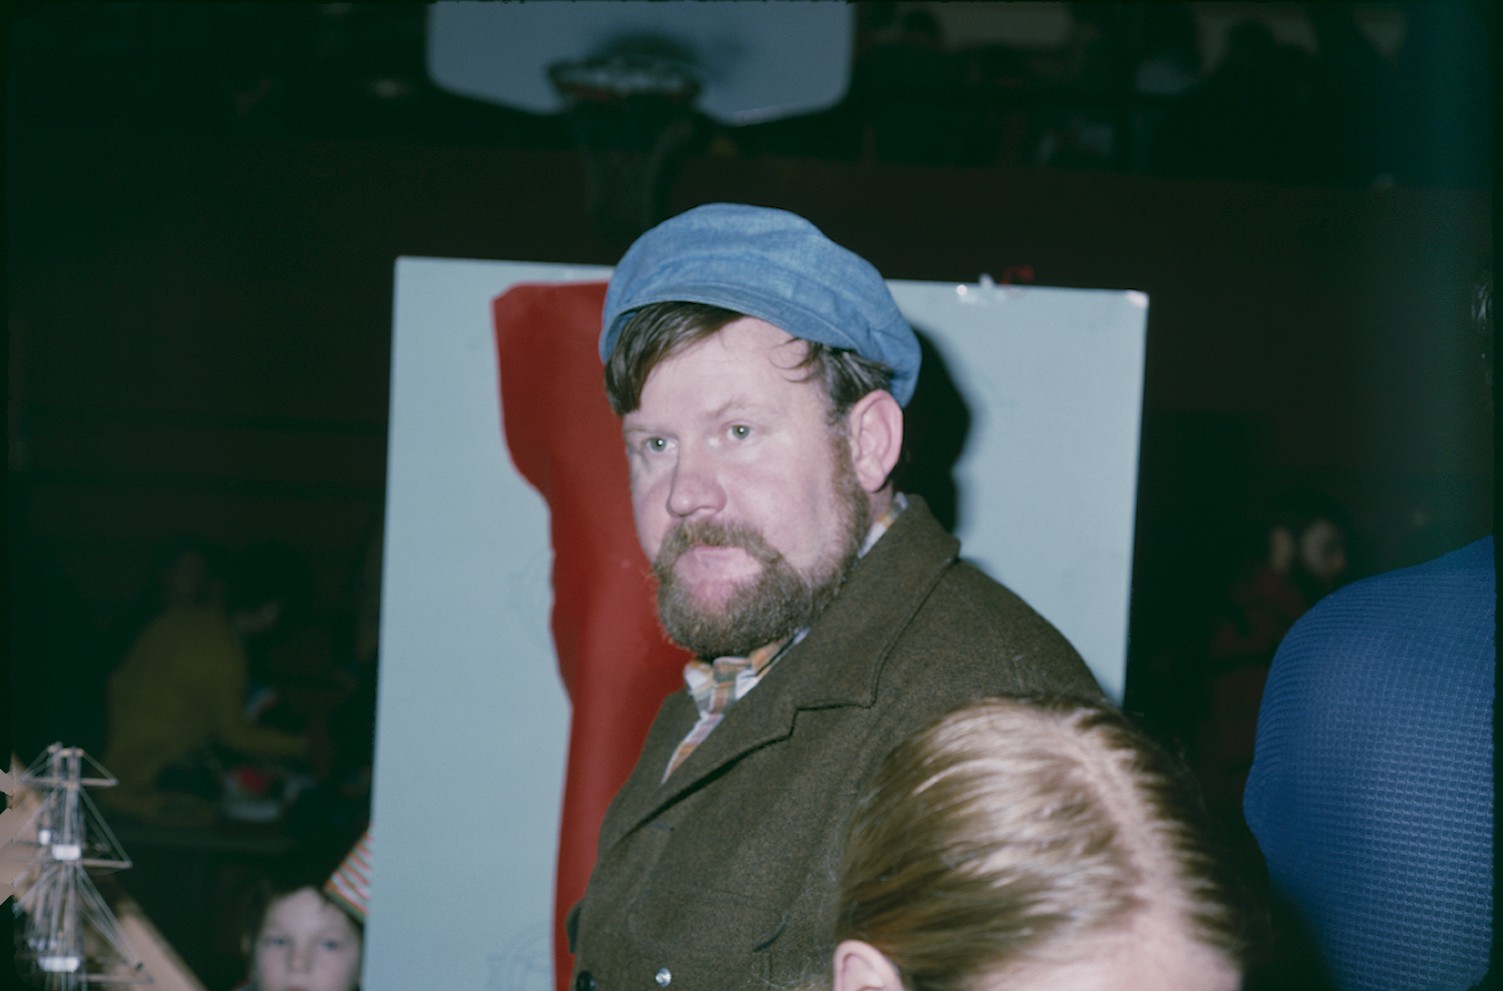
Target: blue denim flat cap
{"type": "Point", "coordinates": [772, 265]}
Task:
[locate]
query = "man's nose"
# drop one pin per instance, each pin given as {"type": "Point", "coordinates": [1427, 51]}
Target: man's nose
{"type": "Point", "coordinates": [696, 488]}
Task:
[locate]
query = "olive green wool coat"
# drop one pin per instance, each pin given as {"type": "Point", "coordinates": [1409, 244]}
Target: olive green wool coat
{"type": "Point", "coordinates": [723, 876]}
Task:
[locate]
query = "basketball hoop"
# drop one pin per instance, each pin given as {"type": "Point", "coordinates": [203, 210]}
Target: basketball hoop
{"type": "Point", "coordinates": [631, 116]}
{"type": "Point", "coordinates": [635, 79]}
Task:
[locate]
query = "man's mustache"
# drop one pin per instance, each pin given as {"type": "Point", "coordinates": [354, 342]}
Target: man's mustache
{"type": "Point", "coordinates": [712, 533]}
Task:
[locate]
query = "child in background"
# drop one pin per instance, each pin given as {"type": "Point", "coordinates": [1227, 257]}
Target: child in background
{"type": "Point", "coordinates": [299, 939]}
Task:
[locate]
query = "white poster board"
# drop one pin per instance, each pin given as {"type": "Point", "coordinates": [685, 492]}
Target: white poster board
{"type": "Point", "coordinates": [473, 721]}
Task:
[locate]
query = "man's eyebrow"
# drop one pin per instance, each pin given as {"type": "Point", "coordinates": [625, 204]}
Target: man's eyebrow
{"type": "Point", "coordinates": [743, 404]}
{"type": "Point", "coordinates": [733, 405]}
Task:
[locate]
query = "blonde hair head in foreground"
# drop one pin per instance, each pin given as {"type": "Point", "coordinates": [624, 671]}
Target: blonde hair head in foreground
{"type": "Point", "coordinates": [1034, 843]}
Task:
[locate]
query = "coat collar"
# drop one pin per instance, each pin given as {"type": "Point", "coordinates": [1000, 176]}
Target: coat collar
{"type": "Point", "coordinates": [838, 663]}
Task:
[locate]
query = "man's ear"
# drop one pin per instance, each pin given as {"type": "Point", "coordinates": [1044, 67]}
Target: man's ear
{"type": "Point", "coordinates": [874, 426]}
{"type": "Point", "coordinates": [861, 966]}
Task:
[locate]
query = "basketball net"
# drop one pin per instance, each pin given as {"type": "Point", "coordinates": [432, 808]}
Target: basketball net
{"type": "Point", "coordinates": [632, 117]}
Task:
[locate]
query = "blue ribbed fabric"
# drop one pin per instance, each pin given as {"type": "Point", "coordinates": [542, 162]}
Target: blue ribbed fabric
{"type": "Point", "coordinates": [1371, 791]}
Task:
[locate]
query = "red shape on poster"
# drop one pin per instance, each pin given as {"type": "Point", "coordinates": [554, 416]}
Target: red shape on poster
{"type": "Point", "coordinates": [616, 664]}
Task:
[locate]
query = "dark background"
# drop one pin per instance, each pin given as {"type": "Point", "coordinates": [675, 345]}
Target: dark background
{"type": "Point", "coordinates": [204, 203]}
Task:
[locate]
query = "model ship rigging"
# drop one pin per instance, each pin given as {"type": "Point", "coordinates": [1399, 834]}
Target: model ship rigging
{"type": "Point", "coordinates": [67, 938]}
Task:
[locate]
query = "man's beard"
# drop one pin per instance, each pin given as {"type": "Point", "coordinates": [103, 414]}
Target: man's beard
{"type": "Point", "coordinates": [775, 604]}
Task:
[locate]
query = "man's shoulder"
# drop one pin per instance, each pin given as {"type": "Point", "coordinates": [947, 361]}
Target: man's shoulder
{"type": "Point", "coordinates": [965, 627]}
{"type": "Point", "coordinates": [1442, 596]}
{"type": "Point", "coordinates": [983, 622]}
{"type": "Point", "coordinates": [969, 596]}
{"type": "Point", "coordinates": [915, 618]}
{"type": "Point", "coordinates": [1394, 636]}
{"type": "Point", "coordinates": [1468, 569]}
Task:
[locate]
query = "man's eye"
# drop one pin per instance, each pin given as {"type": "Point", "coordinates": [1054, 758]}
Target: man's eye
{"type": "Point", "coordinates": [740, 431]}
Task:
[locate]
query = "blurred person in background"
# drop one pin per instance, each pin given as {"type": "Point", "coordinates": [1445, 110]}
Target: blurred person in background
{"type": "Point", "coordinates": [177, 702]}
{"type": "Point", "coordinates": [1304, 556]}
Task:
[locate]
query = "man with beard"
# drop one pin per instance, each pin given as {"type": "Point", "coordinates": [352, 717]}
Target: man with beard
{"type": "Point", "coordinates": [761, 371]}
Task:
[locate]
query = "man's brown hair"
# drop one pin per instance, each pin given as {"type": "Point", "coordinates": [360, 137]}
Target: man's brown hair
{"type": "Point", "coordinates": [661, 330]}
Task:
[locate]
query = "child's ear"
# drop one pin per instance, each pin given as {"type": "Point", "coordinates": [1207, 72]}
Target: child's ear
{"type": "Point", "coordinates": [860, 966]}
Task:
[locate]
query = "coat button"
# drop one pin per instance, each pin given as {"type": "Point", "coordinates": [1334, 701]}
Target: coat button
{"type": "Point", "coordinates": [586, 982]}
{"type": "Point", "coordinates": [664, 977]}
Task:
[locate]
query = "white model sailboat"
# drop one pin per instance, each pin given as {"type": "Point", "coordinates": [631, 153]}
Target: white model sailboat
{"type": "Point", "coordinates": [67, 938]}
